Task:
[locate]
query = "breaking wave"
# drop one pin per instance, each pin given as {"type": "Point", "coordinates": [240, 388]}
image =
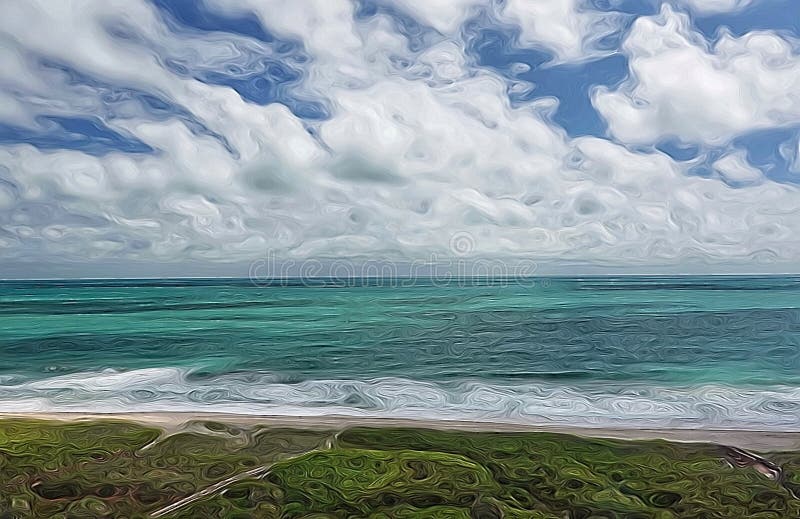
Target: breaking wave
{"type": "Point", "coordinates": [258, 393]}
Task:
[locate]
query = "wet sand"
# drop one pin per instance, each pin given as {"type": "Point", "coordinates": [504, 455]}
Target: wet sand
{"type": "Point", "coordinates": [762, 441]}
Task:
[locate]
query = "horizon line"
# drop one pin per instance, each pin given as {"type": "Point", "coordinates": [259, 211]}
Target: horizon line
{"type": "Point", "coordinates": [441, 277]}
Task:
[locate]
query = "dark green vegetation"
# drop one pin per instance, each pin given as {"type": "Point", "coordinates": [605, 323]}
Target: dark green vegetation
{"type": "Point", "coordinates": [121, 469]}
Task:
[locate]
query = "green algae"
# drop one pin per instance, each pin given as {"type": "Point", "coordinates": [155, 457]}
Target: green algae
{"type": "Point", "coordinates": [122, 469]}
{"type": "Point", "coordinates": [603, 478]}
{"type": "Point", "coordinates": [113, 469]}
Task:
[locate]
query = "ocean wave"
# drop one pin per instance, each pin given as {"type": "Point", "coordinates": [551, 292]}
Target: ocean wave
{"type": "Point", "coordinates": [256, 393]}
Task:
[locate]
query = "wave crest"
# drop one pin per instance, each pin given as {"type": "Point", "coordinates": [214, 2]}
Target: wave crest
{"type": "Point", "coordinates": [253, 393]}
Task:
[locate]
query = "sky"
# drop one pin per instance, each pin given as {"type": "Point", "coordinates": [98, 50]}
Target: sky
{"type": "Point", "coordinates": [189, 137]}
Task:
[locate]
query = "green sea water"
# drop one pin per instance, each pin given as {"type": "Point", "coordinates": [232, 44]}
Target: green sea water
{"type": "Point", "coordinates": [707, 343]}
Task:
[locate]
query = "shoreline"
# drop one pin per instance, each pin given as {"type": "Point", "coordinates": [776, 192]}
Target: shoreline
{"type": "Point", "coordinates": [753, 440]}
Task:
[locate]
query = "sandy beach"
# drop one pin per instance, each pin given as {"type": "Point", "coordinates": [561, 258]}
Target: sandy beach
{"type": "Point", "coordinates": [763, 441]}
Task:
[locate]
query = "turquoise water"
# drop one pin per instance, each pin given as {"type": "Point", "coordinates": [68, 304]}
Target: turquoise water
{"type": "Point", "coordinates": [684, 351]}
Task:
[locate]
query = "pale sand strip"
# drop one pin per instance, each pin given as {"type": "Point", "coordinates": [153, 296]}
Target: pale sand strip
{"type": "Point", "coordinates": [763, 441]}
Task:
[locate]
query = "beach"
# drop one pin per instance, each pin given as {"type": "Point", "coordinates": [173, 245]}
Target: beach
{"type": "Point", "coordinates": [662, 397]}
{"type": "Point", "coordinates": [185, 465]}
{"type": "Point", "coordinates": [758, 441]}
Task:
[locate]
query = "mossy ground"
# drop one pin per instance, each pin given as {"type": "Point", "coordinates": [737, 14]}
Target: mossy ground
{"type": "Point", "coordinates": [122, 469]}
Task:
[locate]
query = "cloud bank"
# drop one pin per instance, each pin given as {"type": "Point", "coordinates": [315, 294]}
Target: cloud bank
{"type": "Point", "coordinates": [220, 131]}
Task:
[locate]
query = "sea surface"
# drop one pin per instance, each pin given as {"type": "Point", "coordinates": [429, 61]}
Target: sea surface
{"type": "Point", "coordinates": [686, 352]}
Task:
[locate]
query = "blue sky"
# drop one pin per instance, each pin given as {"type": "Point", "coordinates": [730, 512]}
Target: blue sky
{"type": "Point", "coordinates": [644, 135]}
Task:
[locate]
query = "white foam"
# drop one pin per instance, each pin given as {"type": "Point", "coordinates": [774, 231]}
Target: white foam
{"type": "Point", "coordinates": [590, 405]}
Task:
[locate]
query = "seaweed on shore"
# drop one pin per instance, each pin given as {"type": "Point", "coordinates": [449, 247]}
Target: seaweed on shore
{"type": "Point", "coordinates": [122, 469]}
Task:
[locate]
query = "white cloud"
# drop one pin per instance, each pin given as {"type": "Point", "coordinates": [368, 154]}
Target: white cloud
{"type": "Point", "coordinates": [679, 86]}
{"type": "Point", "coordinates": [446, 16]}
{"type": "Point", "coordinates": [793, 154]}
{"type": "Point", "coordinates": [562, 26]}
{"type": "Point", "coordinates": [735, 168]}
{"type": "Point", "coordinates": [716, 6]}
{"type": "Point", "coordinates": [409, 157]}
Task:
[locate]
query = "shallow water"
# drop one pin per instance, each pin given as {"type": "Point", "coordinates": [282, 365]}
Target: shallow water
{"type": "Point", "coordinates": [643, 351]}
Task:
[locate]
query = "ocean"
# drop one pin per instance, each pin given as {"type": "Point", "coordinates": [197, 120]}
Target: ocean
{"type": "Point", "coordinates": [682, 352]}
